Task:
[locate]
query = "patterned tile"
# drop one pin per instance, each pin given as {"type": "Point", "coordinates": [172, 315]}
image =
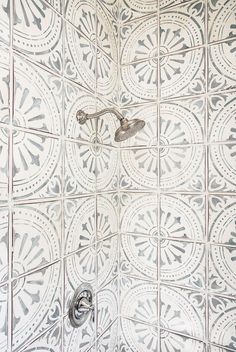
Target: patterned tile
{"type": "Point", "coordinates": [107, 164]}
{"type": "Point", "coordinates": [138, 337]}
{"type": "Point", "coordinates": [173, 342]}
{"type": "Point", "coordinates": [139, 169]}
{"type": "Point", "coordinates": [36, 304]}
{"type": "Point", "coordinates": [37, 32]}
{"type": "Point", "coordinates": [138, 214]}
{"type": "Point", "coordinates": [4, 150]}
{"type": "Point", "coordinates": [183, 311]}
{"type": "Point", "coordinates": [218, 349]}
{"type": "Point", "coordinates": [36, 236]}
{"type": "Point", "coordinates": [182, 121]}
{"type": "Point", "coordinates": [107, 215]}
{"type": "Point", "coordinates": [4, 82]}
{"type": "Point", "coordinates": [56, 4]}
{"type": "Point", "coordinates": [4, 233]}
{"type": "Point", "coordinates": [80, 220]}
{"type": "Point", "coordinates": [222, 320]}
{"type": "Point", "coordinates": [182, 263]}
{"type": "Point", "coordinates": [139, 40]}
{"type": "Point", "coordinates": [182, 27]}
{"type": "Point", "coordinates": [182, 74]}
{"type": "Point", "coordinates": [169, 3]}
{"type": "Point", "coordinates": [133, 9]}
{"type": "Point", "coordinates": [109, 340]}
{"type": "Point", "coordinates": [222, 219]}
{"type": "Point", "coordinates": [107, 260]}
{"type": "Point", "coordinates": [222, 270]}
{"type": "Point", "coordinates": [221, 114]}
{"type": "Point", "coordinates": [112, 6]}
{"type": "Point", "coordinates": [222, 66]}
{"type": "Point", "coordinates": [182, 217]}
{"type": "Point", "coordinates": [222, 168]}
{"type": "Point", "coordinates": [221, 19]}
{"type": "Point", "coordinates": [37, 98]}
{"type": "Point", "coordinates": [36, 166]}
{"type": "Point", "coordinates": [79, 168]}
{"type": "Point", "coordinates": [4, 22]}
{"type": "Point", "coordinates": [138, 300]}
{"type": "Point", "coordinates": [79, 59]}
{"type": "Point", "coordinates": [182, 168]}
{"type": "Point", "coordinates": [3, 318]}
{"type": "Point", "coordinates": [138, 256]}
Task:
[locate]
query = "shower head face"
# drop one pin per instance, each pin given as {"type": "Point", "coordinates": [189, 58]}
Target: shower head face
{"type": "Point", "coordinates": [128, 129]}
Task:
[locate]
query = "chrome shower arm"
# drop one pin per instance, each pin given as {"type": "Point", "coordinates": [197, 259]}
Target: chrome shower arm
{"type": "Point", "coordinates": [82, 117]}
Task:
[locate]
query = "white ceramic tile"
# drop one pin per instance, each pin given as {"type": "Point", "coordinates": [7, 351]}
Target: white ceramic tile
{"type": "Point", "coordinates": [112, 6]}
{"type": "Point", "coordinates": [132, 9]}
{"type": "Point", "coordinates": [107, 168]}
{"type": "Point", "coordinates": [4, 163]}
{"type": "Point", "coordinates": [107, 215]}
{"type": "Point", "coordinates": [4, 22]}
{"type": "Point", "coordinates": [3, 318]}
{"type": "Point", "coordinates": [109, 340]}
{"type": "Point", "coordinates": [4, 240]}
{"type": "Point", "coordinates": [4, 82]}
{"type": "Point", "coordinates": [170, 342]}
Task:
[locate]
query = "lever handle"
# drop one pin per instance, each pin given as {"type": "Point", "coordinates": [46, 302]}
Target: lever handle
{"type": "Point", "coordinates": [85, 306]}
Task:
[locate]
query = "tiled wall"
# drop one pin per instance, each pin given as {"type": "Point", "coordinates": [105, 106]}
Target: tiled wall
{"type": "Point", "coordinates": [178, 176]}
{"type": "Point", "coordinates": [58, 181]}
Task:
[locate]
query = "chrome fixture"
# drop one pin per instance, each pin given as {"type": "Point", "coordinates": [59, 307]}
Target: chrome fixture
{"type": "Point", "coordinates": [127, 128]}
{"type": "Point", "coordinates": [82, 306]}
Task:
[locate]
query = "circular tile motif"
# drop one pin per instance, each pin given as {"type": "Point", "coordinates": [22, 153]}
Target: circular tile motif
{"type": "Point", "coordinates": [222, 19]}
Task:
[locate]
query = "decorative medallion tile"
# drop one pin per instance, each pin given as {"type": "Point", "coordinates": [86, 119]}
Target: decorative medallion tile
{"type": "Point", "coordinates": [182, 168]}
{"type": "Point", "coordinates": [221, 114]}
{"type": "Point", "coordinates": [222, 219]}
{"type": "Point", "coordinates": [139, 169]}
{"type": "Point", "coordinates": [107, 168]}
{"type": "Point", "coordinates": [182, 122]}
{"type": "Point", "coordinates": [221, 19]}
{"type": "Point", "coordinates": [4, 22]}
{"type": "Point", "coordinates": [107, 215]}
{"type": "Point", "coordinates": [4, 161]}
{"type": "Point", "coordinates": [37, 32]}
{"type": "Point", "coordinates": [182, 74]}
{"type": "Point", "coordinates": [107, 260]}
{"type": "Point", "coordinates": [169, 3]}
{"type": "Point", "coordinates": [183, 311]}
{"type": "Point", "coordinates": [79, 223]}
{"type": "Point", "coordinates": [36, 166]}
{"type": "Point", "coordinates": [107, 77]}
{"type": "Point", "coordinates": [4, 82]}
{"type": "Point", "coordinates": [138, 337]}
{"type": "Point", "coordinates": [222, 66]}
{"type": "Point", "coordinates": [222, 168]}
{"type": "Point", "coordinates": [138, 214]}
{"type": "Point", "coordinates": [108, 342]}
{"type": "Point", "coordinates": [222, 320]}
{"type": "Point", "coordinates": [182, 217]}
{"type": "Point", "coordinates": [182, 27]}
{"type": "Point", "coordinates": [4, 233]}
{"type": "Point", "coordinates": [56, 4]}
{"type": "Point", "coordinates": [36, 236]}
{"type": "Point", "coordinates": [218, 349]}
{"type": "Point", "coordinates": [138, 300]}
{"type": "Point", "coordinates": [138, 256]}
{"type": "Point", "coordinates": [133, 9]}
{"type": "Point", "coordinates": [182, 263]}
{"type": "Point", "coordinates": [112, 6]}
{"type": "Point", "coordinates": [3, 318]}
{"type": "Point", "coordinates": [173, 342]}
{"type": "Point", "coordinates": [36, 304]}
{"type": "Point", "coordinates": [37, 98]}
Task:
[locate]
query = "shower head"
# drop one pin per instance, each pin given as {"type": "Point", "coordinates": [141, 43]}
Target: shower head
{"type": "Point", "coordinates": [127, 129]}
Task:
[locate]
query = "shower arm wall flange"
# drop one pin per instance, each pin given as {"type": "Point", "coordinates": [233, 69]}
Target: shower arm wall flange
{"type": "Point", "coordinates": [82, 117]}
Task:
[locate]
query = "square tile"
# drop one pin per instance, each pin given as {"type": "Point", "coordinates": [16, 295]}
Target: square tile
{"type": "Point", "coordinates": [4, 22]}
{"type": "Point", "coordinates": [222, 219]}
{"type": "Point", "coordinates": [107, 215]}
{"type": "Point", "coordinates": [138, 83]}
{"type": "Point", "coordinates": [138, 337]}
{"type": "Point", "coordinates": [221, 115]}
{"type": "Point", "coordinates": [80, 167]}
{"type": "Point", "coordinates": [37, 98]}
{"type": "Point", "coordinates": [36, 166]}
{"type": "Point", "coordinates": [182, 121]}
{"type": "Point", "coordinates": [222, 66]}
{"type": "Point", "coordinates": [221, 20]}
{"type": "Point", "coordinates": [3, 318]}
{"type": "Point", "coordinates": [107, 168]}
{"type": "Point", "coordinates": [222, 270]}
{"type": "Point", "coordinates": [183, 74]}
{"type": "Point", "coordinates": [36, 304]}
{"type": "Point", "coordinates": [36, 236]}
{"type": "Point", "coordinates": [222, 320]}
{"type": "Point", "coordinates": [183, 27]}
{"type": "Point", "coordinates": [37, 32]}
{"type": "Point", "coordinates": [109, 340]}
{"type": "Point", "coordinates": [4, 240]}
{"type": "Point", "coordinates": [4, 82]}
{"type": "Point", "coordinates": [139, 214]}
{"type": "Point", "coordinates": [181, 343]}
{"type": "Point", "coordinates": [139, 169]}
{"type": "Point", "coordinates": [183, 263]}
{"type": "Point", "coordinates": [182, 217]}
{"type": "Point", "coordinates": [182, 168]}
{"type": "Point", "coordinates": [4, 160]}
{"type": "Point", "coordinates": [138, 256]}
{"type": "Point", "coordinates": [80, 220]}
{"type": "Point", "coordinates": [222, 168]}
{"type": "Point", "coordinates": [139, 40]}
{"type": "Point", "coordinates": [131, 9]}
{"type": "Point", "coordinates": [183, 311]}
{"type": "Point", "coordinates": [138, 300]}
{"type": "Point", "coordinates": [79, 59]}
